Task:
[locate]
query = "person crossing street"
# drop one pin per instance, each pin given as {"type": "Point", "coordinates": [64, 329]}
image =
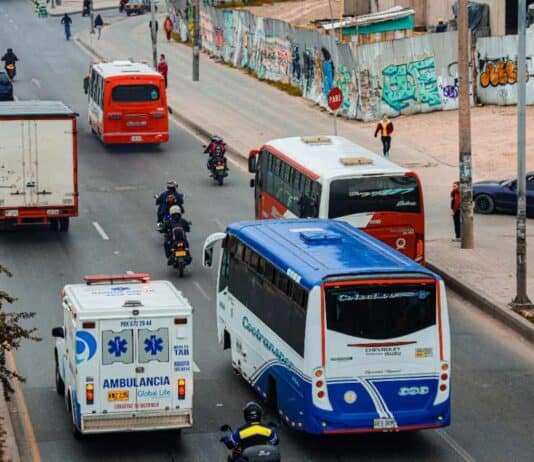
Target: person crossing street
{"type": "Point", "coordinates": [385, 128]}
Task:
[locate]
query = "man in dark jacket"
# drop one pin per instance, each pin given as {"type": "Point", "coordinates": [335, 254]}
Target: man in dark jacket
{"type": "Point", "coordinates": [175, 229]}
{"type": "Point", "coordinates": [161, 201]}
{"type": "Point", "coordinates": [9, 57]}
{"type": "Point", "coordinates": [385, 128]}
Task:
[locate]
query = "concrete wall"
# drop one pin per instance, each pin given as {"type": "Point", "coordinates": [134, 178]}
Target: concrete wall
{"type": "Point", "coordinates": [356, 7]}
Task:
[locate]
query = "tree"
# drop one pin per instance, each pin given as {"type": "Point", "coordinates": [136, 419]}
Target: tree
{"type": "Point", "coordinates": [11, 336]}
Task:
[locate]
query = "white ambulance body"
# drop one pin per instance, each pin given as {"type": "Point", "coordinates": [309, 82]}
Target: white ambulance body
{"type": "Point", "coordinates": [124, 356]}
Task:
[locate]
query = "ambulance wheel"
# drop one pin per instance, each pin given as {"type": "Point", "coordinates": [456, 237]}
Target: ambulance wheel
{"type": "Point", "coordinates": [54, 224]}
{"type": "Point", "coordinates": [60, 385]}
{"type": "Point", "coordinates": [64, 224]}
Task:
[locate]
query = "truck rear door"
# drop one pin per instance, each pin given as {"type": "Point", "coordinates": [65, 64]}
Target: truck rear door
{"type": "Point", "coordinates": [14, 164]}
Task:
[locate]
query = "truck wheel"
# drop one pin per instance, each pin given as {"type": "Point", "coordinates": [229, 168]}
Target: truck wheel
{"type": "Point", "coordinates": [64, 224]}
{"type": "Point", "coordinates": [60, 385]}
{"type": "Point", "coordinates": [54, 224]}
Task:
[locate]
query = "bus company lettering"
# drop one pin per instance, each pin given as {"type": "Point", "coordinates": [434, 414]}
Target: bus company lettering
{"type": "Point", "coordinates": [158, 381]}
{"type": "Point", "coordinates": [383, 351]}
{"type": "Point", "coordinates": [255, 332]}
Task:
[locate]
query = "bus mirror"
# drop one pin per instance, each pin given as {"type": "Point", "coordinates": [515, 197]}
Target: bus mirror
{"type": "Point", "coordinates": [208, 257]}
{"type": "Point", "coordinates": [58, 332]}
{"type": "Point", "coordinates": [252, 157]}
{"type": "Point", "coordinates": [252, 182]}
{"type": "Point", "coordinates": [86, 84]}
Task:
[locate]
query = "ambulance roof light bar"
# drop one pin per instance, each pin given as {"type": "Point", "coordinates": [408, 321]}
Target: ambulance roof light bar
{"type": "Point", "coordinates": [112, 278]}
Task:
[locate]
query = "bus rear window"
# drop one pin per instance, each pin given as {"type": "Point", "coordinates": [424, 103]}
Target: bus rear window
{"type": "Point", "coordinates": [380, 311]}
{"type": "Point", "coordinates": [135, 93]}
{"type": "Point", "coordinates": [373, 194]}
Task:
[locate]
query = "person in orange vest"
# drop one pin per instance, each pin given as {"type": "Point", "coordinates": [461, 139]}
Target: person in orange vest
{"type": "Point", "coordinates": [385, 128]}
{"type": "Point", "coordinates": [455, 208]}
{"type": "Point", "coordinates": [167, 25]}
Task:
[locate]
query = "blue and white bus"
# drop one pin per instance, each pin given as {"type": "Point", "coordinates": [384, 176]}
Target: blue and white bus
{"type": "Point", "coordinates": [340, 332]}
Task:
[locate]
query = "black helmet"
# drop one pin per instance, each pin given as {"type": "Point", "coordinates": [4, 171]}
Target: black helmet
{"type": "Point", "coordinates": [252, 412]}
{"type": "Point", "coordinates": [10, 50]}
{"type": "Point", "coordinates": [172, 185]}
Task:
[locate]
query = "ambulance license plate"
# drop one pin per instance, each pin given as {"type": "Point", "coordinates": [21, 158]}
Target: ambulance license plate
{"type": "Point", "coordinates": [384, 424]}
{"type": "Point", "coordinates": [136, 138]}
{"type": "Point", "coordinates": [118, 395]}
{"type": "Point", "coordinates": [180, 253]}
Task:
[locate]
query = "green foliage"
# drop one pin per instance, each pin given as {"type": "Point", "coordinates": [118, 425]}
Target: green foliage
{"type": "Point", "coordinates": [11, 336]}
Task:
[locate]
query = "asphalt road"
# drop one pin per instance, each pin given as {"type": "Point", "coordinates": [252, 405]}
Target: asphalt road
{"type": "Point", "coordinates": [493, 373]}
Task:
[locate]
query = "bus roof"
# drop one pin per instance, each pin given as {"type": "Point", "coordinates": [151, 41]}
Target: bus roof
{"type": "Point", "coordinates": [123, 68]}
{"type": "Point", "coordinates": [119, 299]}
{"type": "Point", "coordinates": [315, 249]}
{"type": "Point", "coordinates": [331, 156]}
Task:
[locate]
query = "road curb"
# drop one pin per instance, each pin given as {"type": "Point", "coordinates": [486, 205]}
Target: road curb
{"type": "Point", "coordinates": [104, 8]}
{"type": "Point", "coordinates": [11, 450]}
{"type": "Point", "coordinates": [503, 314]}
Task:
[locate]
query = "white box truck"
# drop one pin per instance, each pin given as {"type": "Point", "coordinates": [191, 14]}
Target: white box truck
{"type": "Point", "coordinates": [124, 355]}
{"type": "Point", "coordinates": [38, 164]}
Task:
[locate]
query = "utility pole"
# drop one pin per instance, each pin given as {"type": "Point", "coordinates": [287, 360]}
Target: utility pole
{"type": "Point", "coordinates": [196, 41]}
{"type": "Point", "coordinates": [91, 17]}
{"type": "Point", "coordinates": [521, 298]}
{"type": "Point", "coordinates": [464, 127]}
{"type": "Point", "coordinates": [154, 35]}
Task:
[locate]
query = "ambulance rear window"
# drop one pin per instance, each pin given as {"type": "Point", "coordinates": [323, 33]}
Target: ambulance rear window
{"type": "Point", "coordinates": [153, 345]}
{"type": "Point", "coordinates": [117, 347]}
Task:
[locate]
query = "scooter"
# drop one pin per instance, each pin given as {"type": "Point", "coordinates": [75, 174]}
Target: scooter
{"type": "Point", "coordinates": [259, 453]}
{"type": "Point", "coordinates": [11, 70]}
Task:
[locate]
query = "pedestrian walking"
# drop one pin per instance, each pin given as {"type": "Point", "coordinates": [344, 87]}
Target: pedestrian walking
{"type": "Point", "coordinates": [99, 22]}
{"type": "Point", "coordinates": [163, 68]}
{"type": "Point", "coordinates": [385, 128]}
{"type": "Point", "coordinates": [167, 25]}
{"type": "Point", "coordinates": [455, 209]}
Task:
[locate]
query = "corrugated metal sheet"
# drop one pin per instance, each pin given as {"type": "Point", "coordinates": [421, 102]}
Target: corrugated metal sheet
{"type": "Point", "coordinates": [34, 108]}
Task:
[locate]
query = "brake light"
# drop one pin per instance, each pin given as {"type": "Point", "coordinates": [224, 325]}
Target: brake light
{"type": "Point", "coordinates": [88, 324]}
{"type": "Point", "coordinates": [114, 116]}
{"type": "Point", "coordinates": [180, 320]}
{"type": "Point", "coordinates": [181, 388]}
{"type": "Point", "coordinates": [89, 393]}
{"type": "Point", "coordinates": [157, 115]}
{"type": "Point", "coordinates": [419, 248]}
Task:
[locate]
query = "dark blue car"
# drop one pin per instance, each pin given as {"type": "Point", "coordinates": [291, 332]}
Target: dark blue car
{"type": "Point", "coordinates": [6, 88]}
{"type": "Point", "coordinates": [501, 196]}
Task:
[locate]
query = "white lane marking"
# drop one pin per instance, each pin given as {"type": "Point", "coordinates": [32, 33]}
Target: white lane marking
{"type": "Point", "coordinates": [195, 368]}
{"type": "Point", "coordinates": [129, 272]}
{"type": "Point", "coordinates": [219, 224]}
{"type": "Point", "coordinates": [16, 98]}
{"type": "Point", "coordinates": [201, 290]}
{"type": "Point", "coordinates": [454, 445]}
{"type": "Point", "coordinates": [36, 83]}
{"type": "Point", "coordinates": [102, 233]}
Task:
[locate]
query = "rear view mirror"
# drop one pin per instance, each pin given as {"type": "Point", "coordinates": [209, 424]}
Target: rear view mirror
{"type": "Point", "coordinates": [252, 182]}
{"type": "Point", "coordinates": [58, 332]}
{"type": "Point", "coordinates": [207, 250]}
{"type": "Point", "coordinates": [224, 428]}
{"type": "Point", "coordinates": [252, 160]}
{"type": "Point", "coordinates": [208, 257]}
{"type": "Point", "coordinates": [86, 84]}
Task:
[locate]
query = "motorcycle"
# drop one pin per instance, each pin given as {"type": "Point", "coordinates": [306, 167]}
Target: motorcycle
{"type": "Point", "coordinates": [11, 70]}
{"type": "Point", "coordinates": [219, 170]}
{"type": "Point", "coordinates": [217, 161]}
{"type": "Point", "coordinates": [180, 256]}
{"type": "Point", "coordinates": [259, 453]}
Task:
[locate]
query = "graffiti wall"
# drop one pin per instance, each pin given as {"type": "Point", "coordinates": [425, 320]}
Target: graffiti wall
{"type": "Point", "coordinates": [399, 77]}
{"type": "Point", "coordinates": [497, 69]}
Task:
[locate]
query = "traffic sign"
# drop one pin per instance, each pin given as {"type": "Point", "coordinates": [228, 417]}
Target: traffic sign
{"type": "Point", "coordinates": [335, 99]}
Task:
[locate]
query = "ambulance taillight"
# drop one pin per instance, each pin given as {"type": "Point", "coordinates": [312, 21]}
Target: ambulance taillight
{"type": "Point", "coordinates": [89, 393]}
{"type": "Point", "coordinates": [181, 388]}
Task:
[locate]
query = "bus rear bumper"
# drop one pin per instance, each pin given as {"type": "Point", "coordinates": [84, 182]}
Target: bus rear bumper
{"type": "Point", "coordinates": [132, 138]}
{"type": "Point", "coordinates": [140, 421]}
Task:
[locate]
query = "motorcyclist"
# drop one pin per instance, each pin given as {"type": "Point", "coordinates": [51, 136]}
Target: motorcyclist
{"type": "Point", "coordinates": [175, 228]}
{"type": "Point", "coordinates": [253, 433]}
{"type": "Point", "coordinates": [161, 200]}
{"type": "Point", "coordinates": [216, 150]}
{"type": "Point", "coordinates": [66, 21]}
{"type": "Point", "coordinates": [9, 57]}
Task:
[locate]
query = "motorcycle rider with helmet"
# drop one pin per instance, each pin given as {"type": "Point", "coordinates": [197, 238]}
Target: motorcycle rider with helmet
{"type": "Point", "coordinates": [253, 433]}
{"type": "Point", "coordinates": [161, 200]}
{"type": "Point", "coordinates": [216, 150]}
{"type": "Point", "coordinates": [9, 58]}
{"type": "Point", "coordinates": [175, 221]}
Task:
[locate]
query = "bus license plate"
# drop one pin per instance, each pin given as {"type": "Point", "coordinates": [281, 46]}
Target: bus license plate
{"type": "Point", "coordinates": [118, 395]}
{"type": "Point", "coordinates": [180, 253]}
{"type": "Point", "coordinates": [136, 138]}
{"type": "Point", "coordinates": [383, 424]}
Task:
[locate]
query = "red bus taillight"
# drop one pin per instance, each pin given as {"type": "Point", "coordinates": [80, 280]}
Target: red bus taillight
{"type": "Point", "coordinates": [181, 388]}
{"type": "Point", "coordinates": [157, 115]}
{"type": "Point", "coordinates": [89, 393]}
{"type": "Point", "coordinates": [419, 248]}
{"type": "Point", "coordinates": [114, 116]}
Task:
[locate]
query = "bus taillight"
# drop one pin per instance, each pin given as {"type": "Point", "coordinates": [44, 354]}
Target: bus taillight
{"type": "Point", "coordinates": [114, 116]}
{"type": "Point", "coordinates": [89, 393]}
{"type": "Point", "coordinates": [181, 388]}
{"type": "Point", "coordinates": [419, 248]}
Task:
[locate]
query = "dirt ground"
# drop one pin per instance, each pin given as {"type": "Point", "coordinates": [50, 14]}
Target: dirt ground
{"type": "Point", "coordinates": [299, 13]}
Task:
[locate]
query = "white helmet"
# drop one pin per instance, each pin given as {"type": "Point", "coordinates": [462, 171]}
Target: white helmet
{"type": "Point", "coordinates": [175, 209]}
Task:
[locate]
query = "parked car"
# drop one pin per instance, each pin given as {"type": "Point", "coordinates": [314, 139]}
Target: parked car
{"type": "Point", "coordinates": [6, 87]}
{"type": "Point", "coordinates": [501, 196]}
{"type": "Point", "coordinates": [135, 7]}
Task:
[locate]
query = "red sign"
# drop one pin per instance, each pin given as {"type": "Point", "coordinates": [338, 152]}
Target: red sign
{"type": "Point", "coordinates": [335, 99]}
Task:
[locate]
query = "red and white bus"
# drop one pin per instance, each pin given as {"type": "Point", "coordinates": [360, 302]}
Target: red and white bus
{"type": "Point", "coordinates": [127, 103]}
{"type": "Point", "coordinates": [331, 177]}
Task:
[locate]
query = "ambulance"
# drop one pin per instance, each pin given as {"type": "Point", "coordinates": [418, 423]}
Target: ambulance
{"type": "Point", "coordinates": [124, 355]}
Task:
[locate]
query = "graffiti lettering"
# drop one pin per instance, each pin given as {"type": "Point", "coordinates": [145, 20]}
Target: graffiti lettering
{"type": "Point", "coordinates": [498, 72]}
{"type": "Point", "coordinates": [413, 82]}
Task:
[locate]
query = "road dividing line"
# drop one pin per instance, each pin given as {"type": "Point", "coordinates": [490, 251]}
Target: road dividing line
{"type": "Point", "coordinates": [22, 411]}
{"type": "Point", "coordinates": [454, 445]}
{"type": "Point", "coordinates": [129, 272]}
{"type": "Point", "coordinates": [195, 367]}
{"type": "Point", "coordinates": [102, 233]}
{"type": "Point", "coordinates": [36, 83]}
{"type": "Point", "coordinates": [201, 290]}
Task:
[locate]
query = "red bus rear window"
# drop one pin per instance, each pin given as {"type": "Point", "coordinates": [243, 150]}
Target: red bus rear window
{"type": "Point", "coordinates": [135, 93]}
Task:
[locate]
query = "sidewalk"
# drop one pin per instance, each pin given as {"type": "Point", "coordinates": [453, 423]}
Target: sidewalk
{"type": "Point", "coordinates": [75, 6]}
{"type": "Point", "coordinates": [247, 113]}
